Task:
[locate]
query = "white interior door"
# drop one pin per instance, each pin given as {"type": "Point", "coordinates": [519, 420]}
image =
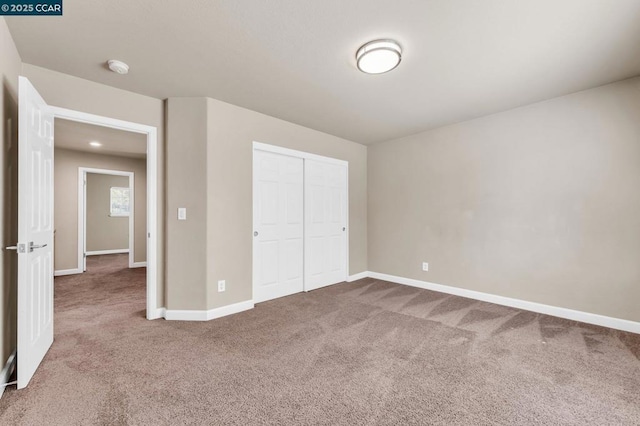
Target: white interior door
{"type": "Point", "coordinates": [35, 231]}
{"type": "Point", "coordinates": [325, 223]}
{"type": "Point", "coordinates": [278, 225]}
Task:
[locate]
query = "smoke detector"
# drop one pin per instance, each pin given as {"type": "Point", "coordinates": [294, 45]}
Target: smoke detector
{"type": "Point", "coordinates": [118, 66]}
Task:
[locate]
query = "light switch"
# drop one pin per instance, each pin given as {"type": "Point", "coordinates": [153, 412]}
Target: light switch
{"type": "Point", "coordinates": [182, 213]}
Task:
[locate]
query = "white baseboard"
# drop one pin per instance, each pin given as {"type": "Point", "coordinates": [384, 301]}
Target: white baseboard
{"type": "Point", "coordinates": [101, 252]}
{"type": "Point", "coordinates": [192, 315]}
{"type": "Point", "coordinates": [589, 318]}
{"type": "Point", "coordinates": [6, 372]}
{"type": "Point", "coordinates": [139, 265]}
{"type": "Point", "coordinates": [66, 272]}
{"type": "Point", "coordinates": [158, 313]}
{"type": "Point", "coordinates": [358, 276]}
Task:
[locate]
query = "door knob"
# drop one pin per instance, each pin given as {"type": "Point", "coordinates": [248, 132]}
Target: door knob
{"type": "Point", "coordinates": [20, 248]}
{"type": "Point", "coordinates": [35, 246]}
{"type": "Point", "coordinates": [344, 229]}
{"type": "Point", "coordinates": [255, 233]}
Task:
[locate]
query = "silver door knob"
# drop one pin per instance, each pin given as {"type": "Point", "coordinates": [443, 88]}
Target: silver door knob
{"type": "Point", "coordinates": [255, 233]}
{"type": "Point", "coordinates": [20, 248]}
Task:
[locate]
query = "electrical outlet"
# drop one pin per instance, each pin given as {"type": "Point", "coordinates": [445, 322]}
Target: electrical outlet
{"type": "Point", "coordinates": [222, 286]}
{"type": "Point", "coordinates": [425, 266]}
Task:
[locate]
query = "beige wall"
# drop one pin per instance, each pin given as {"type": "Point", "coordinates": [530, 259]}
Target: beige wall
{"type": "Point", "coordinates": [231, 133]}
{"type": "Point", "coordinates": [66, 202]}
{"type": "Point", "coordinates": [210, 170]}
{"type": "Point", "coordinates": [70, 92]}
{"type": "Point", "coordinates": [9, 70]}
{"type": "Point", "coordinates": [540, 203]}
{"type": "Point", "coordinates": [187, 173]}
{"type": "Point", "coordinates": [105, 232]}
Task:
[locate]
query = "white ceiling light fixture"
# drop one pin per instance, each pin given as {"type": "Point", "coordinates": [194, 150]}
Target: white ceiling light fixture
{"type": "Point", "coordinates": [95, 144]}
{"type": "Point", "coordinates": [118, 67]}
{"type": "Point", "coordinates": [378, 56]}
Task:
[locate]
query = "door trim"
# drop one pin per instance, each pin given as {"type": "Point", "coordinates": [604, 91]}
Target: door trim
{"type": "Point", "coordinates": [151, 132]}
{"type": "Point", "coordinates": [259, 146]}
{"type": "Point", "coordinates": [82, 216]}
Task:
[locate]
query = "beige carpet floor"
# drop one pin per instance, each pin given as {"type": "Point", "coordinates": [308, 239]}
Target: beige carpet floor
{"type": "Point", "coordinates": [364, 353]}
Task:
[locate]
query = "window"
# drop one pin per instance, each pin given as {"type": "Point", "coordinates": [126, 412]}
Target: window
{"type": "Point", "coordinates": [120, 201]}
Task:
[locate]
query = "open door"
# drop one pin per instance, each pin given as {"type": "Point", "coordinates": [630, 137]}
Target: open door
{"type": "Point", "coordinates": [35, 231]}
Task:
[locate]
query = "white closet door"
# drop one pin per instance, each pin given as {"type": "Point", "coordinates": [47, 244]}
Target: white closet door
{"type": "Point", "coordinates": [325, 224]}
{"type": "Point", "coordinates": [278, 225]}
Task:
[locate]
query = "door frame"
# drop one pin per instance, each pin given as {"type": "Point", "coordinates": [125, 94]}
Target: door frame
{"type": "Point", "coordinates": [259, 146]}
{"type": "Point", "coordinates": [82, 215]}
{"type": "Point", "coordinates": [151, 133]}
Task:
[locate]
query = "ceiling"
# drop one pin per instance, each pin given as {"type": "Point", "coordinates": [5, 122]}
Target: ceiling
{"type": "Point", "coordinates": [76, 136]}
{"type": "Point", "coordinates": [294, 59]}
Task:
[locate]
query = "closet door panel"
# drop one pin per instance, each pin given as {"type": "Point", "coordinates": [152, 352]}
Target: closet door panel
{"type": "Point", "coordinates": [325, 225]}
{"type": "Point", "coordinates": [278, 226]}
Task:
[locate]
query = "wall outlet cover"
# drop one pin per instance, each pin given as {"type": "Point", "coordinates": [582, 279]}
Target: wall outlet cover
{"type": "Point", "coordinates": [425, 266]}
{"type": "Point", "coordinates": [222, 286]}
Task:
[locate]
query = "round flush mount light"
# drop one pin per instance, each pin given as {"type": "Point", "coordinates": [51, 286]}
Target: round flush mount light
{"type": "Point", "coordinates": [118, 66]}
{"type": "Point", "coordinates": [95, 144]}
{"type": "Point", "coordinates": [378, 56]}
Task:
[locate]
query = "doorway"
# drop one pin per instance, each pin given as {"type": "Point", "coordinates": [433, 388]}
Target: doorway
{"type": "Point", "coordinates": [36, 231]}
{"type": "Point", "coordinates": [148, 237]}
{"type": "Point", "coordinates": [300, 221]}
{"type": "Point", "coordinates": [106, 214]}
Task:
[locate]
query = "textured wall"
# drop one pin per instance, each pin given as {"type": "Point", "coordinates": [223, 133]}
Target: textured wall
{"type": "Point", "coordinates": [540, 203]}
{"type": "Point", "coordinates": [187, 187]}
{"type": "Point", "coordinates": [105, 232]}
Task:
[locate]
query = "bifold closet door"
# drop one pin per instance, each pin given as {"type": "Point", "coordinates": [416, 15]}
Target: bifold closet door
{"type": "Point", "coordinates": [278, 225]}
{"type": "Point", "coordinates": [325, 224]}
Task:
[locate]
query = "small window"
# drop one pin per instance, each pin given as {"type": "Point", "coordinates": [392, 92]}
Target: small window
{"type": "Point", "coordinates": [120, 201]}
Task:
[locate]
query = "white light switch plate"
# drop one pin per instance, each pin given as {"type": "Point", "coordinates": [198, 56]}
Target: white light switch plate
{"type": "Point", "coordinates": [182, 213]}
